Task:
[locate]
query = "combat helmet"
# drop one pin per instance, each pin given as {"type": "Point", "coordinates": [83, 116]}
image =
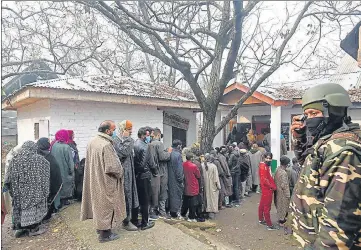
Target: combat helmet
{"type": "Point", "coordinates": [329, 93]}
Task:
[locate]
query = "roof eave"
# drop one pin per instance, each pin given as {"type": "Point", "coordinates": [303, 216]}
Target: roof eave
{"type": "Point", "coordinates": [12, 102]}
{"type": "Point", "coordinates": [77, 95]}
{"type": "Point", "coordinates": [260, 96]}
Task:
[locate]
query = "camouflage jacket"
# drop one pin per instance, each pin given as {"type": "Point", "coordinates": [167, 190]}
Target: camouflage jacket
{"type": "Point", "coordinates": [325, 209]}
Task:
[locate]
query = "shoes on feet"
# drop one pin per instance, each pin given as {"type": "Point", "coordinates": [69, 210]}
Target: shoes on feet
{"type": "Point", "coordinates": [262, 222]}
{"type": "Point", "coordinates": [147, 226]}
{"type": "Point", "coordinates": [153, 217]}
{"type": "Point", "coordinates": [271, 228]}
{"type": "Point", "coordinates": [130, 227]}
{"type": "Point", "coordinates": [111, 237]}
{"type": "Point", "coordinates": [201, 220]}
{"type": "Point", "coordinates": [192, 220]}
{"type": "Point", "coordinates": [162, 215]}
{"type": "Point", "coordinates": [20, 232]}
{"type": "Point", "coordinates": [39, 230]}
{"type": "Point", "coordinates": [66, 203]}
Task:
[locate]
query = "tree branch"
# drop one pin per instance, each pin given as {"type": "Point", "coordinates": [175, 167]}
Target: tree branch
{"type": "Point", "coordinates": [268, 73]}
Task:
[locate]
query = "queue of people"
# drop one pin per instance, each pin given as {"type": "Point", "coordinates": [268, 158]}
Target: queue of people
{"type": "Point", "coordinates": [39, 176]}
{"type": "Point", "coordinates": [319, 202]}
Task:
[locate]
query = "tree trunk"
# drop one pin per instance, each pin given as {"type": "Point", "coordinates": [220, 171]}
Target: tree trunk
{"type": "Point", "coordinates": [208, 131]}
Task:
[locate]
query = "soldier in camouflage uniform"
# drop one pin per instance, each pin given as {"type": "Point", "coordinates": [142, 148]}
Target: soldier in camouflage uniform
{"type": "Point", "coordinates": [325, 209]}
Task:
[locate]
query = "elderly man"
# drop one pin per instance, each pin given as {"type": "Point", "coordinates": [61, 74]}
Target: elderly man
{"type": "Point", "coordinates": [124, 146]}
{"type": "Point", "coordinates": [103, 190]}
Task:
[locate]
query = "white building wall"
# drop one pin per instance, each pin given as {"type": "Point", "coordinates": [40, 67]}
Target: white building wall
{"type": "Point", "coordinates": [85, 117]}
{"type": "Point", "coordinates": [248, 112]}
{"type": "Point", "coordinates": [27, 116]}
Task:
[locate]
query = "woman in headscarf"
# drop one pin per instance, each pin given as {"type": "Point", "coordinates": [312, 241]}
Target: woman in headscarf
{"type": "Point", "coordinates": [64, 156]}
{"type": "Point", "coordinates": [28, 182]}
{"type": "Point", "coordinates": [212, 185]}
{"type": "Point", "coordinates": [78, 168]}
{"type": "Point", "coordinates": [6, 192]}
{"type": "Point", "coordinates": [55, 175]}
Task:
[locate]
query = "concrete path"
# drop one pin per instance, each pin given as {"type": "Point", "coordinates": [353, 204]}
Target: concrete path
{"type": "Point", "coordinates": [162, 236]}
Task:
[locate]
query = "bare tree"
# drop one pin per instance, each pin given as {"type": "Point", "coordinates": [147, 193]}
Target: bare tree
{"type": "Point", "coordinates": [70, 39]}
{"type": "Point", "coordinates": [43, 34]}
{"type": "Point", "coordinates": [209, 42]}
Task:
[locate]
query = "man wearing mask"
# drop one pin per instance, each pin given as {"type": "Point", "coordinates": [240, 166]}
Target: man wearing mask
{"type": "Point", "coordinates": [150, 134]}
{"type": "Point", "coordinates": [124, 146]}
{"type": "Point", "coordinates": [159, 182]}
{"type": "Point", "coordinates": [144, 169]}
{"type": "Point", "coordinates": [326, 202]}
{"type": "Point", "coordinates": [103, 191]}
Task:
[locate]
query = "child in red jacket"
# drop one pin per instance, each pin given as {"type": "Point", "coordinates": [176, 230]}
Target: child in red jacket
{"type": "Point", "coordinates": [267, 186]}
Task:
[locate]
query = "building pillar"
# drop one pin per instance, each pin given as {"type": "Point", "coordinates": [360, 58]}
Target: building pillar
{"type": "Point", "coordinates": [276, 132]}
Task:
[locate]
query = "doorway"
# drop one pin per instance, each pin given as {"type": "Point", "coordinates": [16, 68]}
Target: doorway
{"type": "Point", "coordinates": [179, 134]}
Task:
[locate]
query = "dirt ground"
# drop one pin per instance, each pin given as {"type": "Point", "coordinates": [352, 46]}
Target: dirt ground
{"type": "Point", "coordinates": [57, 237]}
{"type": "Point", "coordinates": [235, 228]}
{"type": "Point", "coordinates": [239, 227]}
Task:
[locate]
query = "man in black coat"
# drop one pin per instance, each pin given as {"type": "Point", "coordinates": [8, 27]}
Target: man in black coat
{"type": "Point", "coordinates": [144, 168]}
{"type": "Point", "coordinates": [175, 180]}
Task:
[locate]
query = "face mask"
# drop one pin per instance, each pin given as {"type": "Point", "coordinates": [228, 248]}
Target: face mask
{"type": "Point", "coordinates": [147, 139]}
{"type": "Point", "coordinates": [315, 125]}
{"type": "Point", "coordinates": [268, 163]}
{"type": "Point", "coordinates": [114, 134]}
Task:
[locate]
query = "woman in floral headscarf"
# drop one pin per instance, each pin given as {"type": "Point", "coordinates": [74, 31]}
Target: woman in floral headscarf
{"type": "Point", "coordinates": [28, 180]}
{"type": "Point", "coordinates": [64, 156]}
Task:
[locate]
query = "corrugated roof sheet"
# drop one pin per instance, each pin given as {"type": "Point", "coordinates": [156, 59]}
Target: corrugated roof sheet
{"type": "Point", "coordinates": [297, 91]}
{"type": "Point", "coordinates": [117, 85]}
{"type": "Point", "coordinates": [347, 74]}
